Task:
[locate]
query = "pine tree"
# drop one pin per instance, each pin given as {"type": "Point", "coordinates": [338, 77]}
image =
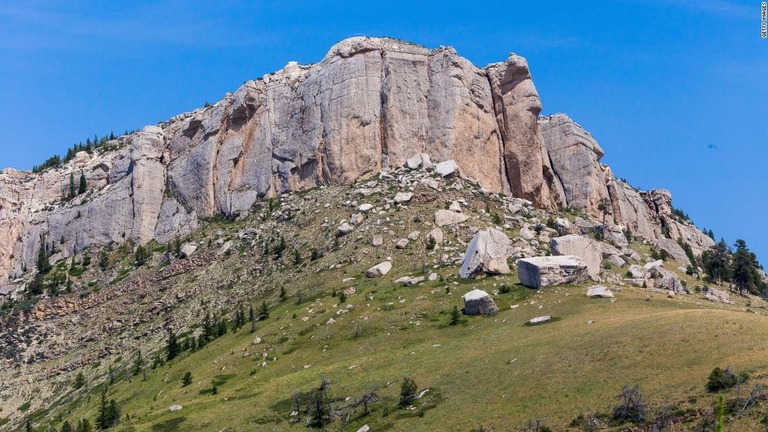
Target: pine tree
{"type": "Point", "coordinates": [72, 190]}
{"type": "Point", "coordinates": [172, 347]}
{"type": "Point", "coordinates": [138, 364]}
{"type": "Point", "coordinates": [221, 328]}
{"type": "Point", "coordinates": [455, 316]}
{"type": "Point", "coordinates": [66, 427]}
{"type": "Point", "coordinates": [744, 269]}
{"type": "Point", "coordinates": [717, 262]}
{"type": "Point", "coordinates": [43, 265]}
{"type": "Point", "coordinates": [208, 330]}
{"type": "Point", "coordinates": [264, 311]}
{"type": "Point", "coordinates": [79, 380]}
{"type": "Point", "coordinates": [186, 379]}
{"type": "Point", "coordinates": [252, 318]}
{"type": "Point", "coordinates": [84, 426]}
{"type": "Point", "coordinates": [83, 185]}
{"type": "Point", "coordinates": [283, 294]}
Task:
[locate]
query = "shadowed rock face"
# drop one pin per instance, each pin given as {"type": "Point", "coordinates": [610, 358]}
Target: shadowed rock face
{"type": "Point", "coordinates": [369, 105]}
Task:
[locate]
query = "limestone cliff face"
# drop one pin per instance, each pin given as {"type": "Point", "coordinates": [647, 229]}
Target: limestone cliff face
{"type": "Point", "coordinates": [367, 106]}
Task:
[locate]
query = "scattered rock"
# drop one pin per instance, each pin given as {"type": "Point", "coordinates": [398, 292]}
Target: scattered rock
{"type": "Point", "coordinates": [401, 244]}
{"type": "Point", "coordinates": [187, 249]}
{"type": "Point", "coordinates": [403, 197]}
{"type": "Point", "coordinates": [479, 302]}
{"type": "Point", "coordinates": [447, 217]}
{"type": "Point", "coordinates": [175, 408]}
{"type": "Point", "coordinates": [330, 321]}
{"type": "Point", "coordinates": [377, 240]}
{"type": "Point", "coordinates": [356, 219]}
{"type": "Point", "coordinates": [617, 261]}
{"type": "Point", "coordinates": [433, 277]}
{"type": "Point", "coordinates": [344, 229]}
{"type": "Point", "coordinates": [365, 428]}
{"type": "Point", "coordinates": [599, 291]}
{"type": "Point", "coordinates": [538, 272]}
{"type": "Point", "coordinates": [256, 340]}
{"type": "Point", "coordinates": [455, 207]}
{"type": "Point", "coordinates": [379, 270]}
{"type": "Point", "coordinates": [409, 280]}
{"type": "Point", "coordinates": [447, 168]}
{"type": "Point", "coordinates": [539, 320]}
{"type": "Point", "coordinates": [414, 235]}
{"type": "Point", "coordinates": [365, 208]}
{"type": "Point", "coordinates": [487, 253]}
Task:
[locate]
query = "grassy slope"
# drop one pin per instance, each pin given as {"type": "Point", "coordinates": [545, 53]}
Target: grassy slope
{"type": "Point", "coordinates": [490, 371]}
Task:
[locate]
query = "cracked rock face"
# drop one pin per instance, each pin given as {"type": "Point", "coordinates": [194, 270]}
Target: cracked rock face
{"type": "Point", "coordinates": [368, 106]}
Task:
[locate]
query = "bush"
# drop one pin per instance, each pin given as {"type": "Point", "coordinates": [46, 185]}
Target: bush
{"type": "Point", "coordinates": [631, 406]}
{"type": "Point", "coordinates": [723, 379]}
{"type": "Point", "coordinates": [505, 289]}
{"type": "Point", "coordinates": [187, 379]}
{"type": "Point", "coordinates": [407, 392]}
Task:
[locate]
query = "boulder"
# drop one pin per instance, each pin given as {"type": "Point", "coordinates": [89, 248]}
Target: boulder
{"type": "Point", "coordinates": [563, 226]}
{"type": "Point", "coordinates": [585, 248]}
{"type": "Point", "coordinates": [617, 261]}
{"type": "Point", "coordinates": [414, 235]}
{"type": "Point", "coordinates": [409, 280]}
{"type": "Point", "coordinates": [187, 249]}
{"type": "Point", "coordinates": [599, 291]}
{"type": "Point", "coordinates": [419, 161]}
{"type": "Point", "coordinates": [175, 408]}
{"type": "Point", "coordinates": [356, 219]}
{"type": "Point", "coordinates": [344, 229]}
{"type": "Point", "coordinates": [365, 208]}
{"type": "Point", "coordinates": [447, 217]}
{"type": "Point", "coordinates": [379, 270]}
{"type": "Point", "coordinates": [718, 296]}
{"type": "Point", "coordinates": [401, 244]}
{"type": "Point", "coordinates": [539, 320]}
{"type": "Point", "coordinates": [667, 279]}
{"type": "Point", "coordinates": [377, 240]}
{"type": "Point", "coordinates": [538, 272]}
{"type": "Point", "coordinates": [447, 168]}
{"type": "Point", "coordinates": [479, 302]}
{"type": "Point", "coordinates": [486, 253]}
{"type": "Point", "coordinates": [403, 197]}
{"type": "Point", "coordinates": [455, 207]}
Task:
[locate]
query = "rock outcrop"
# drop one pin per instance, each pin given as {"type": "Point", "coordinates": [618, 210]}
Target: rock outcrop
{"type": "Point", "coordinates": [370, 105]}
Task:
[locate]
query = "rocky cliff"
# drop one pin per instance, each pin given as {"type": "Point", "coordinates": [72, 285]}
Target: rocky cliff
{"type": "Point", "coordinates": [366, 107]}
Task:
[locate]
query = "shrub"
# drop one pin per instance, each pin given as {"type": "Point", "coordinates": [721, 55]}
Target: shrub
{"type": "Point", "coordinates": [407, 392]}
{"type": "Point", "coordinates": [631, 406]}
{"type": "Point", "coordinates": [455, 316]}
{"type": "Point", "coordinates": [505, 289]}
{"type": "Point", "coordinates": [723, 379]}
{"type": "Point", "coordinates": [186, 379]}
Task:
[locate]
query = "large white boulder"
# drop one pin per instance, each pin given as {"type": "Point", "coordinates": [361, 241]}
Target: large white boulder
{"type": "Point", "coordinates": [447, 168]}
{"type": "Point", "coordinates": [479, 302]}
{"type": "Point", "coordinates": [585, 248]}
{"type": "Point", "coordinates": [599, 291]}
{"type": "Point", "coordinates": [674, 250]}
{"type": "Point", "coordinates": [379, 270]}
{"type": "Point", "coordinates": [544, 271]}
{"type": "Point", "coordinates": [486, 253]}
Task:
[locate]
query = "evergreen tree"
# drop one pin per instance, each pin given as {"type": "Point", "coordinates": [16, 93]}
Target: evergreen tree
{"type": "Point", "coordinates": [84, 426]}
{"type": "Point", "coordinates": [43, 265]}
{"type": "Point", "coordinates": [172, 347]}
{"type": "Point", "coordinates": [264, 311]}
{"type": "Point", "coordinates": [103, 260]}
{"type": "Point", "coordinates": [283, 294]}
{"type": "Point", "coordinates": [744, 269]}
{"type": "Point", "coordinates": [72, 190]}
{"type": "Point", "coordinates": [79, 380]}
{"type": "Point", "coordinates": [66, 427]}
{"type": "Point", "coordinates": [252, 318]}
{"type": "Point", "coordinates": [221, 329]}
{"type": "Point", "coordinates": [83, 185]}
{"type": "Point", "coordinates": [208, 330]}
{"type": "Point", "coordinates": [138, 364]}
{"type": "Point", "coordinates": [186, 379]}
{"type": "Point", "coordinates": [141, 256]}
{"type": "Point", "coordinates": [455, 316]}
{"type": "Point", "coordinates": [717, 262]}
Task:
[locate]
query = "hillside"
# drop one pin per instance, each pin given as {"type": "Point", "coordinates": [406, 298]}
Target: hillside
{"type": "Point", "coordinates": [202, 216]}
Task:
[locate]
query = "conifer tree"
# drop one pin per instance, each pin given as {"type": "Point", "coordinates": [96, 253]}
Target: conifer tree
{"type": "Point", "coordinates": [83, 185]}
{"type": "Point", "coordinates": [172, 347]}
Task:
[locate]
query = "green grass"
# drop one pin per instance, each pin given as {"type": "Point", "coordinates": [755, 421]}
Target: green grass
{"type": "Point", "coordinates": [490, 370]}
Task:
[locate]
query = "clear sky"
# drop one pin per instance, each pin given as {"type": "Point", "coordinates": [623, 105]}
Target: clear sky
{"type": "Point", "coordinates": [675, 91]}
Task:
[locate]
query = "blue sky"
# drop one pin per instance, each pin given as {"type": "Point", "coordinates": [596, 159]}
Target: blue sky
{"type": "Point", "coordinates": [675, 91]}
